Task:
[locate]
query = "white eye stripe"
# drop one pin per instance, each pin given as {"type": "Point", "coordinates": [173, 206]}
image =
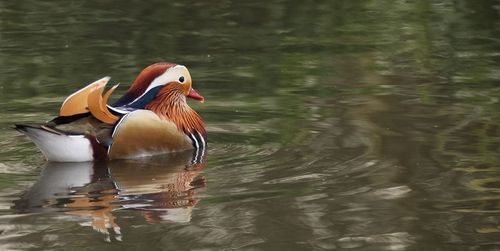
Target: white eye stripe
{"type": "Point", "coordinates": [168, 76]}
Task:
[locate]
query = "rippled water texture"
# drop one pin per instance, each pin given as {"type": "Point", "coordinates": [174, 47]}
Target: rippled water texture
{"type": "Point", "coordinates": [363, 125]}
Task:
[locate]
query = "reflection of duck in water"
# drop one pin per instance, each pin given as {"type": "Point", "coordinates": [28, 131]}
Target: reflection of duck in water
{"type": "Point", "coordinates": [161, 187]}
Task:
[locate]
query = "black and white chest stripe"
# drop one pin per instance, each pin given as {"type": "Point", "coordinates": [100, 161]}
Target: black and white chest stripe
{"type": "Point", "coordinates": [197, 139]}
{"type": "Point", "coordinates": [199, 145]}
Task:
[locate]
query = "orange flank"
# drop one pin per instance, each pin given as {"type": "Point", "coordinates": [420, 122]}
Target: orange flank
{"type": "Point", "coordinates": [142, 132]}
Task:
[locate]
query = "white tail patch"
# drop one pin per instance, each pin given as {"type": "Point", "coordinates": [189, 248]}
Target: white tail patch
{"type": "Point", "coordinates": [61, 148]}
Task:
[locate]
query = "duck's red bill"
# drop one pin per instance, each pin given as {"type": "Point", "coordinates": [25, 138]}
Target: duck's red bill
{"type": "Point", "coordinates": [194, 95]}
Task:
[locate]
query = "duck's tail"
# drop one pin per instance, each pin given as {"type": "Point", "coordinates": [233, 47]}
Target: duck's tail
{"type": "Point", "coordinates": [57, 146]}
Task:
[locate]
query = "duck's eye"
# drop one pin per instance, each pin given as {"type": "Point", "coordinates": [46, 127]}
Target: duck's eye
{"type": "Point", "coordinates": [181, 79]}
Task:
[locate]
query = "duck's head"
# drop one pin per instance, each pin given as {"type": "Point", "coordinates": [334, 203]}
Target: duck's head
{"type": "Point", "coordinates": [159, 78]}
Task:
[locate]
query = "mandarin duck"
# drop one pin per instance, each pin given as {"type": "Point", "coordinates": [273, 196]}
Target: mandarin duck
{"type": "Point", "coordinates": [151, 118]}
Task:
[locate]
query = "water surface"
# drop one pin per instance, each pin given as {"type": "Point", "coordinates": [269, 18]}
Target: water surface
{"type": "Point", "coordinates": [363, 125]}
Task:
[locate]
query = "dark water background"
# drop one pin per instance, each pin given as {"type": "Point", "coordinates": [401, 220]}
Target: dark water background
{"type": "Point", "coordinates": [349, 125]}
